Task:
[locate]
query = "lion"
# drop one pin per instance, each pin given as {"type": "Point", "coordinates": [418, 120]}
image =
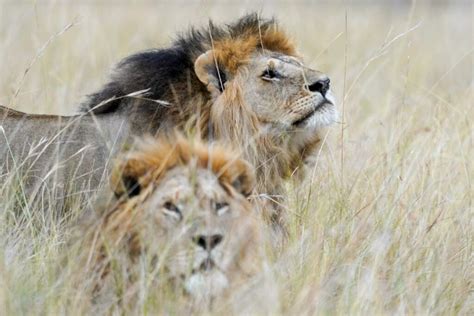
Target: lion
{"type": "Point", "coordinates": [242, 83]}
{"type": "Point", "coordinates": [181, 209]}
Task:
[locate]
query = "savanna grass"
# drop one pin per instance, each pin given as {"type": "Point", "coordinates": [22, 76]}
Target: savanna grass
{"type": "Point", "coordinates": [382, 224]}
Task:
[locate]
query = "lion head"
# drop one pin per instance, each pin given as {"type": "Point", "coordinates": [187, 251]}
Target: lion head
{"type": "Point", "coordinates": [276, 90]}
{"type": "Point", "coordinates": [182, 209]}
{"type": "Point", "coordinates": [265, 100]}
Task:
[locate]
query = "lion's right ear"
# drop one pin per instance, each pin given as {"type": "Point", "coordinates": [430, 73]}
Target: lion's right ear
{"type": "Point", "coordinates": [125, 179]}
{"type": "Point", "coordinates": [210, 73]}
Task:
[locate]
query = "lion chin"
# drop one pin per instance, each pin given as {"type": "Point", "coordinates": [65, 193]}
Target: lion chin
{"type": "Point", "coordinates": [205, 285]}
{"type": "Point", "coordinates": [321, 113]}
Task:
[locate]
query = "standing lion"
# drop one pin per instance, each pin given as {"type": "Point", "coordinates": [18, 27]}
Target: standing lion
{"type": "Point", "coordinates": [242, 83]}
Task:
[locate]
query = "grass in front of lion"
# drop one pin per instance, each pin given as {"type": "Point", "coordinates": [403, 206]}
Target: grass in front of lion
{"type": "Point", "coordinates": [385, 228]}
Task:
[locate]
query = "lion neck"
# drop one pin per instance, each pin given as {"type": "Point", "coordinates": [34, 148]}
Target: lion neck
{"type": "Point", "coordinates": [274, 154]}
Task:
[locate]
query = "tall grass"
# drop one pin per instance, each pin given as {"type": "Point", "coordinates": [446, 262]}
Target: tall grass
{"type": "Point", "coordinates": [389, 228]}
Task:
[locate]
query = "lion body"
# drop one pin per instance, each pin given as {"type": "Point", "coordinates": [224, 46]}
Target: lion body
{"type": "Point", "coordinates": [208, 82]}
{"type": "Point", "coordinates": [51, 156]}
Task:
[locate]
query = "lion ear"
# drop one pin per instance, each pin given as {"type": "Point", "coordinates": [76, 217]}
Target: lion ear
{"type": "Point", "coordinates": [125, 179]}
{"type": "Point", "coordinates": [244, 179]}
{"type": "Point", "coordinates": [210, 73]}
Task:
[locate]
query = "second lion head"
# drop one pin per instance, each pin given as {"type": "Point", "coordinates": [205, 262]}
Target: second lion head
{"type": "Point", "coordinates": [181, 208]}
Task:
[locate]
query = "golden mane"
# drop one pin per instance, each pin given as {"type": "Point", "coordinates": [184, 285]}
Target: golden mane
{"type": "Point", "coordinates": [232, 53]}
{"type": "Point", "coordinates": [152, 158]}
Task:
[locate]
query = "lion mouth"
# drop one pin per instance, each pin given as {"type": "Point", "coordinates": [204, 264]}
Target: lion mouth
{"type": "Point", "coordinates": [301, 121]}
{"type": "Point", "coordinates": [205, 286]}
{"type": "Point", "coordinates": [207, 281]}
{"type": "Point", "coordinates": [206, 265]}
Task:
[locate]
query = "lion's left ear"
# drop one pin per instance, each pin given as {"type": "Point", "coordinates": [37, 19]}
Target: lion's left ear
{"type": "Point", "coordinates": [242, 177]}
{"type": "Point", "coordinates": [210, 73]}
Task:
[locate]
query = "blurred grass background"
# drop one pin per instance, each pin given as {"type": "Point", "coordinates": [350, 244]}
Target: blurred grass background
{"type": "Point", "coordinates": [388, 228]}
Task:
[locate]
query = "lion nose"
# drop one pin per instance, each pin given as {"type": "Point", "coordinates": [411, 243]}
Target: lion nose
{"type": "Point", "coordinates": [321, 86]}
{"type": "Point", "coordinates": [208, 242]}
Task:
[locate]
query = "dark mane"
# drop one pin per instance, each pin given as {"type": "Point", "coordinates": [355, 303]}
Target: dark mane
{"type": "Point", "coordinates": [169, 72]}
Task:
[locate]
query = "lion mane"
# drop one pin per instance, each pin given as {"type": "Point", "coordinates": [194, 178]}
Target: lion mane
{"type": "Point", "coordinates": [159, 69]}
{"type": "Point", "coordinates": [154, 157]}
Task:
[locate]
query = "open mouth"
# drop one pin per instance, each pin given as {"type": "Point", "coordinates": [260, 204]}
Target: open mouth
{"type": "Point", "coordinates": [306, 117]}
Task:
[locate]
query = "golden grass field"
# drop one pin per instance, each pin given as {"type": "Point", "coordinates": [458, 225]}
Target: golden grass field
{"type": "Point", "coordinates": [384, 222]}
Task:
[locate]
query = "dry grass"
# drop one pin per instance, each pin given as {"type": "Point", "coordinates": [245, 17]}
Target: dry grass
{"type": "Point", "coordinates": [386, 228]}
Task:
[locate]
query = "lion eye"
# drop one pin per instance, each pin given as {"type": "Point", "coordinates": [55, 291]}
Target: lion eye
{"type": "Point", "coordinates": [172, 210]}
{"type": "Point", "coordinates": [270, 75]}
{"type": "Point", "coordinates": [222, 208]}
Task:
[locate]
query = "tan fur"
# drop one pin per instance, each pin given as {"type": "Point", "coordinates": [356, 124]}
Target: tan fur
{"type": "Point", "coordinates": [135, 227]}
{"type": "Point", "coordinates": [232, 53]}
{"type": "Point", "coordinates": [232, 104]}
{"type": "Point", "coordinates": [261, 125]}
{"type": "Point", "coordinates": [154, 158]}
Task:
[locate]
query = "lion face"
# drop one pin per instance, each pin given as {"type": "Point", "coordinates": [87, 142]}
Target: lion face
{"type": "Point", "coordinates": [202, 230]}
{"type": "Point", "coordinates": [291, 95]}
{"type": "Point", "coordinates": [185, 207]}
{"type": "Point", "coordinates": [281, 93]}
